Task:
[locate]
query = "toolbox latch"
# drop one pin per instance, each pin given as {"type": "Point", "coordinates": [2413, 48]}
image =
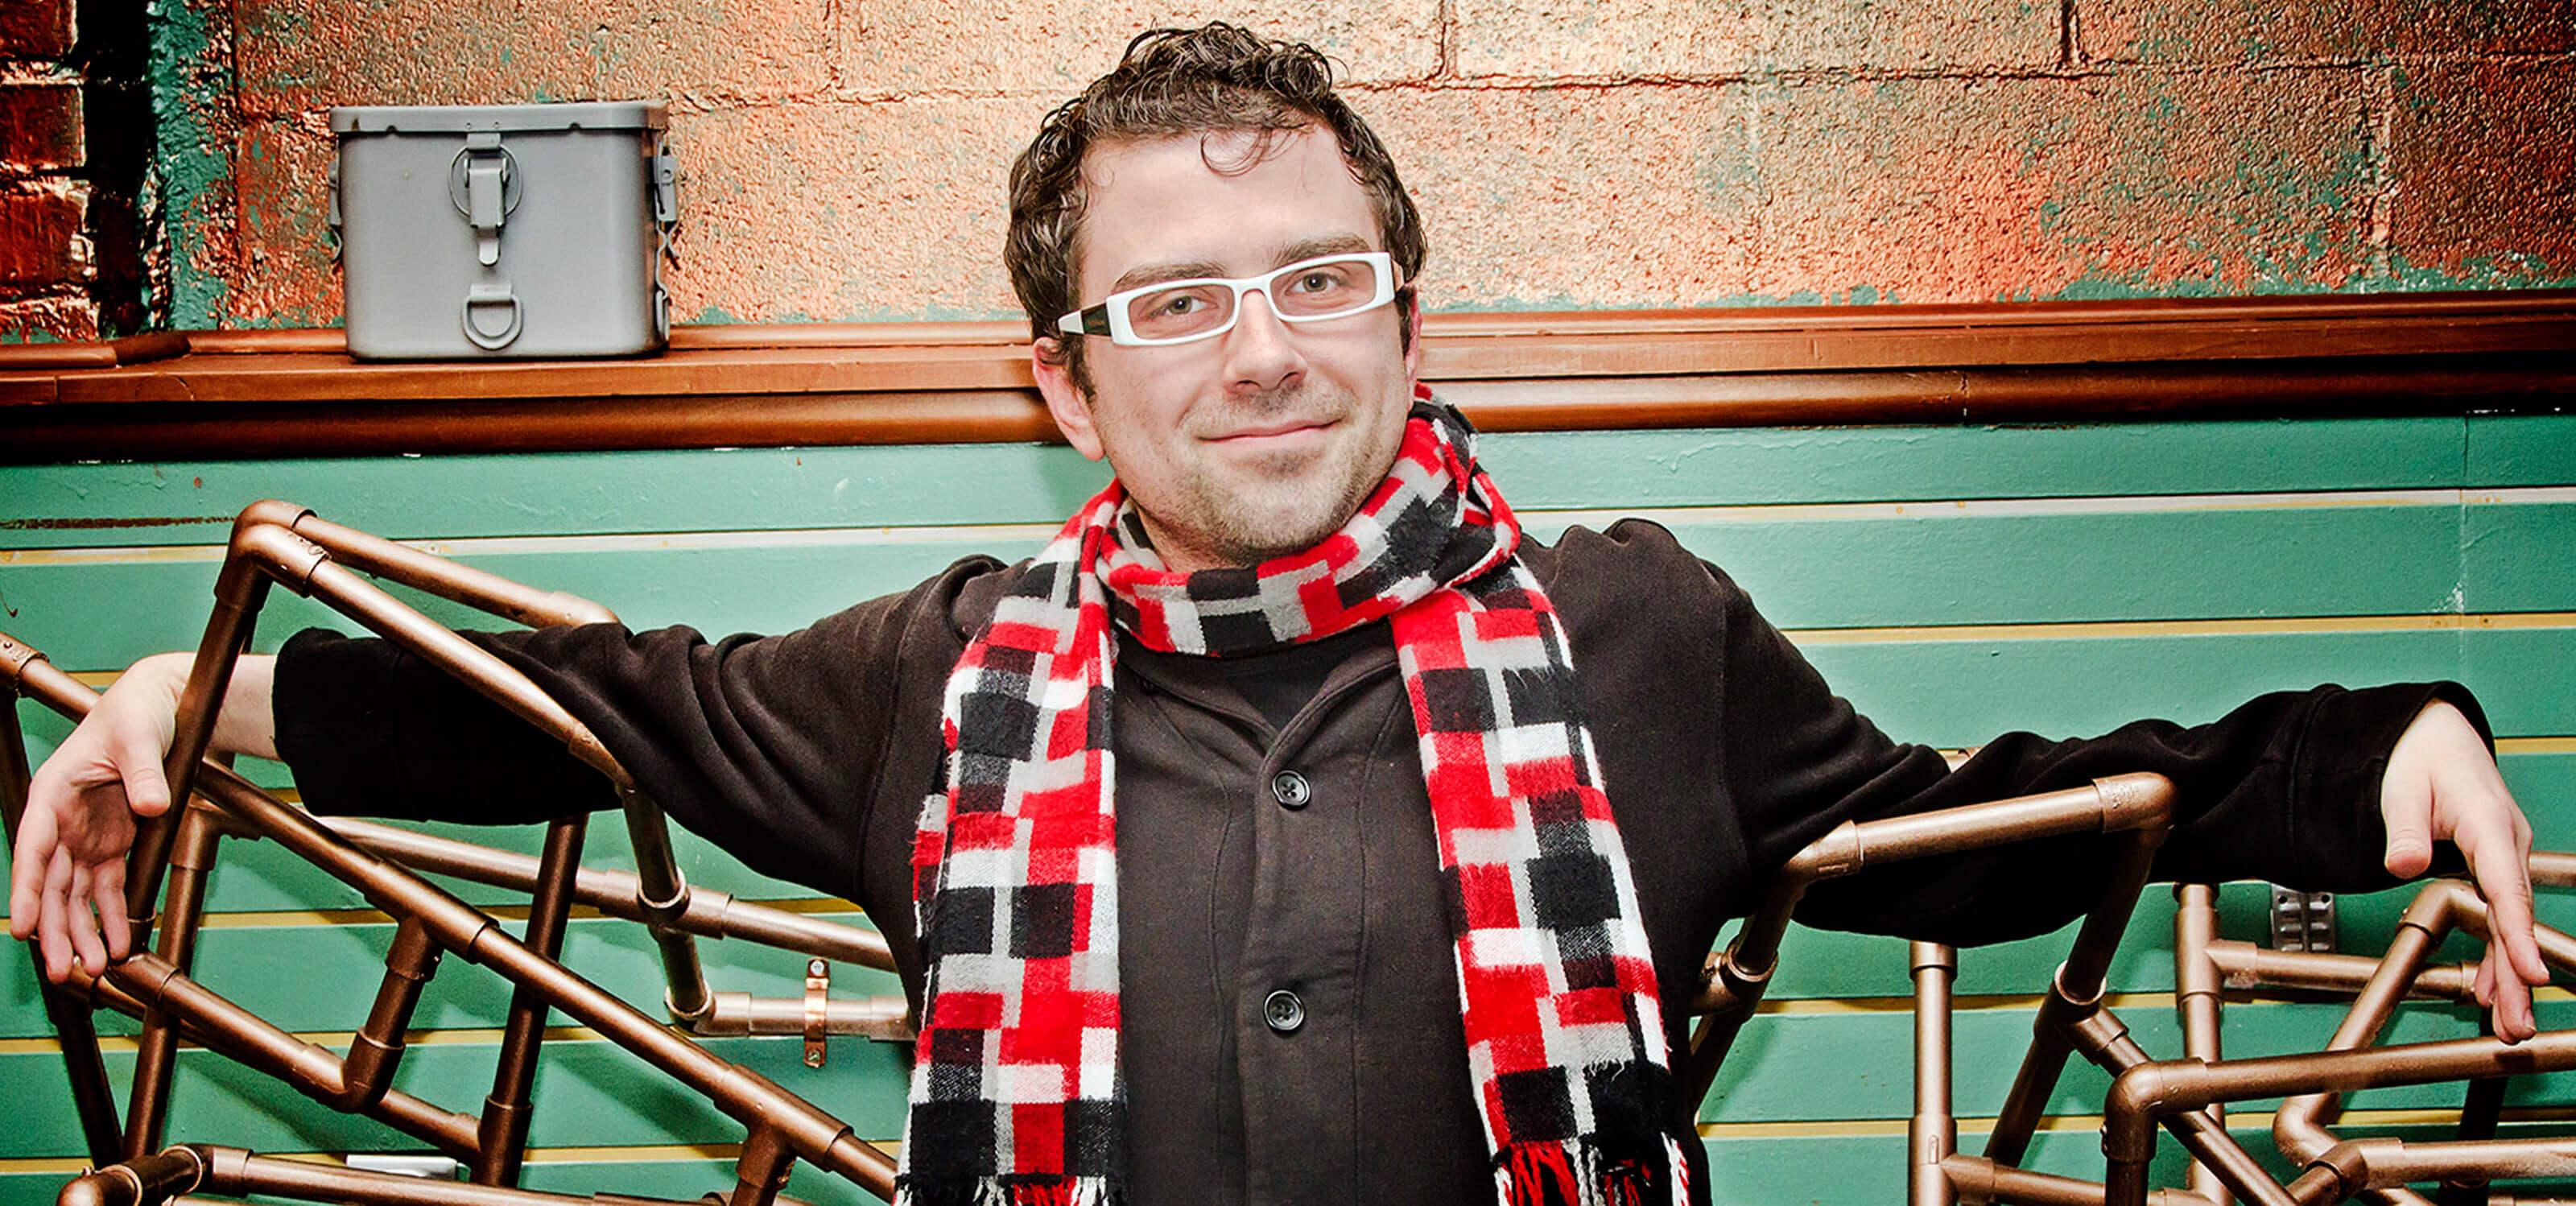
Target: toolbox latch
{"type": "Point", "coordinates": [484, 185]}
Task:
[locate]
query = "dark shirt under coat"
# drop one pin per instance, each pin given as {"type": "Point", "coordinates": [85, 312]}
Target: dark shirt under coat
{"type": "Point", "coordinates": [808, 756]}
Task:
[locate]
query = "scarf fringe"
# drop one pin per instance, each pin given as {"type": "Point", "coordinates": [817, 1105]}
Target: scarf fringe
{"type": "Point", "coordinates": [1012, 1191]}
{"type": "Point", "coordinates": [1578, 1173]}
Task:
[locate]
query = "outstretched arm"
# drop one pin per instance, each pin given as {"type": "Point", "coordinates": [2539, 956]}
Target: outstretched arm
{"type": "Point", "coordinates": [2442, 786]}
{"type": "Point", "coordinates": [67, 878]}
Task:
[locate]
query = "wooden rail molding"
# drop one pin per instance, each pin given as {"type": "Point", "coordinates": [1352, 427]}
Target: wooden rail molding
{"type": "Point", "coordinates": [297, 393]}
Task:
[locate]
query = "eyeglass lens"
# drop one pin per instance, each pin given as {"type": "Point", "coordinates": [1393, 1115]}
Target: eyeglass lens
{"type": "Point", "coordinates": [1308, 291]}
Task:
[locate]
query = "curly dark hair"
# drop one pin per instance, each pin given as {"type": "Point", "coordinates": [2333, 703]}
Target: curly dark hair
{"type": "Point", "coordinates": [1218, 77]}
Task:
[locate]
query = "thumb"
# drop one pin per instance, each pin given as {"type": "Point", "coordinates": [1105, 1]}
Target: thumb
{"type": "Point", "coordinates": [2406, 805]}
{"type": "Point", "coordinates": [147, 789]}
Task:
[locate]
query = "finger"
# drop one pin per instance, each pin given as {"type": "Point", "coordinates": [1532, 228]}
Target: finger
{"type": "Point", "coordinates": [2512, 1017]}
{"type": "Point", "coordinates": [107, 890]}
{"type": "Point", "coordinates": [27, 870]}
{"type": "Point", "coordinates": [2407, 807]}
{"type": "Point", "coordinates": [53, 940]}
{"type": "Point", "coordinates": [2498, 864]}
{"type": "Point", "coordinates": [84, 925]}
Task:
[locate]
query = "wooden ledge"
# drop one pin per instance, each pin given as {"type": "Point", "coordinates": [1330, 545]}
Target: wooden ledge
{"type": "Point", "coordinates": [296, 393]}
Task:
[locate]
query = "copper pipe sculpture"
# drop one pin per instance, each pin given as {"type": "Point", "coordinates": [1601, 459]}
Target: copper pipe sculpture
{"type": "Point", "coordinates": [277, 543]}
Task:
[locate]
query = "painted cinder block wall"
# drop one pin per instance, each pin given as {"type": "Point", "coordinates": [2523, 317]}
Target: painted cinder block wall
{"type": "Point", "coordinates": [844, 160]}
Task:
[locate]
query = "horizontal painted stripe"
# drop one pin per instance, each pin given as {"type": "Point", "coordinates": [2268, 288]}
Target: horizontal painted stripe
{"type": "Point", "coordinates": [271, 919]}
{"type": "Point", "coordinates": [1669, 516]}
{"type": "Point", "coordinates": [323, 1038]}
{"type": "Point", "coordinates": [2092, 1123]}
{"type": "Point", "coordinates": [2174, 628]}
{"type": "Point", "coordinates": [754, 488]}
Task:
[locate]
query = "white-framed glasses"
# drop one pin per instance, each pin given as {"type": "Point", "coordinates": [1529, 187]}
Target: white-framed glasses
{"type": "Point", "coordinates": [1331, 286]}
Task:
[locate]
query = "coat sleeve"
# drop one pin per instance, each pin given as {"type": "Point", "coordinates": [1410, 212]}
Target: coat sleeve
{"type": "Point", "coordinates": [2283, 788]}
{"type": "Point", "coordinates": [770, 747]}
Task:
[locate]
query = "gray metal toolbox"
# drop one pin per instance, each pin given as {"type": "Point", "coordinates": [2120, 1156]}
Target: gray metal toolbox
{"type": "Point", "coordinates": [481, 231]}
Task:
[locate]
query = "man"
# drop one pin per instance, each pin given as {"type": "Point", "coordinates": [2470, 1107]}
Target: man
{"type": "Point", "coordinates": [1290, 829]}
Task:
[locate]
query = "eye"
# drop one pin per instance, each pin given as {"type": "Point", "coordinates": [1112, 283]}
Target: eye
{"type": "Point", "coordinates": [1317, 280]}
{"type": "Point", "coordinates": [1179, 305]}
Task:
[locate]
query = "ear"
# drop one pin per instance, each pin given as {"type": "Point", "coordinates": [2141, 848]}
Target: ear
{"type": "Point", "coordinates": [1413, 340]}
{"type": "Point", "coordinates": [1064, 399]}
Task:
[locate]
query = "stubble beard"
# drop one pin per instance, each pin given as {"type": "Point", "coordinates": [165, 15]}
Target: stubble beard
{"type": "Point", "coordinates": [1287, 502]}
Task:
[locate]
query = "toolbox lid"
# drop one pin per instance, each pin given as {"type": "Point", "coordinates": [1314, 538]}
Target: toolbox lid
{"type": "Point", "coordinates": [466, 119]}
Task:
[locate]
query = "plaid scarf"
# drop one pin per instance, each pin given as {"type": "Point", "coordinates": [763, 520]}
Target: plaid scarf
{"type": "Point", "coordinates": [1016, 1083]}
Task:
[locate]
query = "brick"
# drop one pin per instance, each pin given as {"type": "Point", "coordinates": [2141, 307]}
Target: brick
{"type": "Point", "coordinates": [41, 243]}
{"type": "Point", "coordinates": [890, 210]}
{"type": "Point", "coordinates": [294, 54]}
{"type": "Point", "coordinates": [1055, 47]}
{"type": "Point", "coordinates": [1914, 190]}
{"type": "Point", "coordinates": [2226, 31]}
{"type": "Point", "coordinates": [35, 29]}
{"type": "Point", "coordinates": [2485, 172]}
{"type": "Point", "coordinates": [40, 126]}
{"type": "Point", "coordinates": [61, 318]}
{"type": "Point", "coordinates": [1545, 39]}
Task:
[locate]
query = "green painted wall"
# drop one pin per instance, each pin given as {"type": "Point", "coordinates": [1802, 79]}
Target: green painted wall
{"type": "Point", "coordinates": [1930, 572]}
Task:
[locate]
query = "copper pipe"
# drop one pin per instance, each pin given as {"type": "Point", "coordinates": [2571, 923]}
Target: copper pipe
{"type": "Point", "coordinates": [503, 1137]}
{"type": "Point", "coordinates": [2553, 869]}
{"type": "Point", "coordinates": [2172, 1092]}
{"type": "Point", "coordinates": [2390, 1163]}
{"type": "Point", "coordinates": [246, 1038]}
{"type": "Point", "coordinates": [2481, 1109]}
{"type": "Point", "coordinates": [1740, 974]}
{"type": "Point", "coordinates": [254, 1044]}
{"type": "Point", "coordinates": [478, 589]}
{"type": "Point", "coordinates": [476, 667]}
{"type": "Point", "coordinates": [156, 1050]}
{"type": "Point", "coordinates": [2299, 1126]}
{"type": "Point", "coordinates": [238, 1173]}
{"type": "Point", "coordinates": [1933, 1133]}
{"type": "Point", "coordinates": [2196, 1001]}
{"type": "Point", "coordinates": [816, 1136]}
{"type": "Point", "coordinates": [93, 1100]}
{"type": "Point", "coordinates": [377, 1048]}
{"type": "Point", "coordinates": [662, 895]}
{"type": "Point", "coordinates": [710, 913]}
{"type": "Point", "coordinates": [762, 1168]}
{"type": "Point", "coordinates": [2104, 1039]}
{"type": "Point", "coordinates": [145, 1180]}
{"type": "Point", "coordinates": [886, 1019]}
{"type": "Point", "coordinates": [2075, 991]}
{"type": "Point", "coordinates": [2246, 965]}
{"type": "Point", "coordinates": [1981, 1181]}
{"type": "Point", "coordinates": [240, 589]}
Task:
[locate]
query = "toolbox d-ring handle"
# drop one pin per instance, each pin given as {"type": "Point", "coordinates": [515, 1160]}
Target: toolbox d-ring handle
{"type": "Point", "coordinates": [488, 298]}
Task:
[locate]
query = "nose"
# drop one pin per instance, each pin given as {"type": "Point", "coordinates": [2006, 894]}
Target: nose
{"type": "Point", "coordinates": [1260, 354]}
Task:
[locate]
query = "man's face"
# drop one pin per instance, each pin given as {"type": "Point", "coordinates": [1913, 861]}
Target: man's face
{"type": "Point", "coordinates": [1263, 440]}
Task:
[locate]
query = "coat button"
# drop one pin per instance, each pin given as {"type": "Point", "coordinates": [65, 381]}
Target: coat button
{"type": "Point", "coordinates": [1290, 789]}
{"type": "Point", "coordinates": [1284, 1011]}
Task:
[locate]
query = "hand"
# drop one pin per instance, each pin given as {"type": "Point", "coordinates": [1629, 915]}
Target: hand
{"type": "Point", "coordinates": [2442, 785]}
{"type": "Point", "coordinates": [67, 880]}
